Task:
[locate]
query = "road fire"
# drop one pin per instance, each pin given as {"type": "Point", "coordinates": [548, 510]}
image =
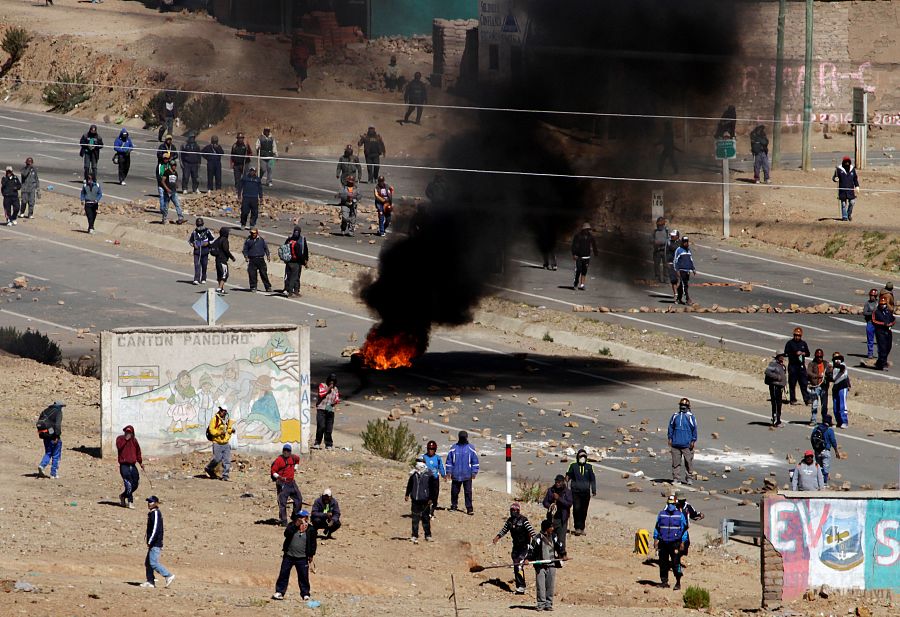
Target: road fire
{"type": "Point", "coordinates": [383, 352]}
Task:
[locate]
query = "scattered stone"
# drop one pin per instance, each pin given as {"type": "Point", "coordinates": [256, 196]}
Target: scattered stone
{"type": "Point", "coordinates": [615, 407]}
{"type": "Point", "coordinates": [720, 419]}
{"type": "Point", "coordinates": [807, 280]}
{"type": "Point", "coordinates": [20, 282]}
{"type": "Point", "coordinates": [715, 435]}
{"type": "Point", "coordinates": [24, 586]}
{"type": "Point", "coordinates": [321, 323]}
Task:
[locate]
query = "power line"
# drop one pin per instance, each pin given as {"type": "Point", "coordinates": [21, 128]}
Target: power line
{"type": "Point", "coordinates": [501, 172]}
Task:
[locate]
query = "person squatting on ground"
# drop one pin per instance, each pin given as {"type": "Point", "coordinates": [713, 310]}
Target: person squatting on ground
{"type": "Point", "coordinates": [168, 191]}
{"type": "Point", "coordinates": [546, 547]}
{"type": "Point", "coordinates": [883, 320]}
{"type": "Point", "coordinates": [91, 143]}
{"type": "Point", "coordinates": [683, 262]}
{"type": "Point", "coordinates": [436, 466]}
{"type": "Point", "coordinates": [286, 488]}
{"type": "Point", "coordinates": [817, 372]}
{"type": "Point", "coordinates": [31, 189]}
{"type": "Point", "coordinates": [807, 474]}
{"type": "Point", "coordinates": [558, 502]}
{"type": "Point", "coordinates": [840, 387]}
{"type": "Point", "coordinates": [9, 187]}
{"type": "Point", "coordinates": [659, 238]}
{"type": "Point", "coordinates": [201, 240]}
{"type": "Point", "coordinates": [191, 158]}
{"type": "Point", "coordinates": [682, 437]}
{"type": "Point", "coordinates": [295, 255]}
{"type": "Point", "coordinates": [348, 166]}
{"type": "Point", "coordinates": [415, 96]}
{"type": "Point", "coordinates": [462, 468]}
{"type": "Point", "coordinates": [797, 351]}
{"type": "Point", "coordinates": [266, 152]}
{"type": "Point", "coordinates": [373, 149]}
{"type": "Point", "coordinates": [240, 162]}
{"type": "Point", "coordinates": [349, 196]}
{"type": "Point", "coordinates": [256, 254]}
{"type": "Point", "coordinates": [129, 458]}
{"type": "Point", "coordinates": [221, 251]}
{"type": "Point", "coordinates": [329, 397]}
{"type": "Point", "coordinates": [776, 378]}
{"type": "Point", "coordinates": [583, 247]}
{"type": "Point", "coordinates": [91, 194]}
{"type": "Point", "coordinates": [583, 483]}
{"type": "Point", "coordinates": [690, 514]}
{"type": "Point", "coordinates": [823, 441]}
{"type": "Point", "coordinates": [759, 148]}
{"type": "Point", "coordinates": [155, 545]}
{"type": "Point", "coordinates": [420, 490]}
{"type": "Point", "coordinates": [250, 192]}
{"type": "Point", "coordinates": [521, 533]}
{"type": "Point", "coordinates": [384, 205]}
{"type": "Point", "coordinates": [669, 535]}
{"type": "Point", "coordinates": [848, 184]}
{"type": "Point", "coordinates": [49, 428]}
{"type": "Point", "coordinates": [326, 514]}
{"type": "Point", "coordinates": [298, 551]}
{"type": "Point", "coordinates": [122, 158]}
{"type": "Point", "coordinates": [868, 309]}
{"type": "Point", "coordinates": [213, 154]}
{"type": "Point", "coordinates": [219, 432]}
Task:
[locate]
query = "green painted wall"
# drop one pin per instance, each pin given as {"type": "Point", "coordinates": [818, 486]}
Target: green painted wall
{"type": "Point", "coordinates": [408, 17]}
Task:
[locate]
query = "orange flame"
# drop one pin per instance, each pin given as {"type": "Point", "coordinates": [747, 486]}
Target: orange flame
{"type": "Point", "coordinates": [382, 352]}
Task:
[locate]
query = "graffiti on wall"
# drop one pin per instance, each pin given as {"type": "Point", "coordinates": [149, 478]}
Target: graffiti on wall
{"type": "Point", "coordinates": [843, 543]}
{"type": "Point", "coordinates": [832, 86]}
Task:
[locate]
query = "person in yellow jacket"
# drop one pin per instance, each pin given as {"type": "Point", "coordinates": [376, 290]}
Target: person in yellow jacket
{"type": "Point", "coordinates": [219, 432]}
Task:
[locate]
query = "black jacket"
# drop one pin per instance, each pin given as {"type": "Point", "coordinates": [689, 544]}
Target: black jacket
{"type": "Point", "coordinates": [520, 530]}
{"type": "Point", "coordinates": [790, 350]}
{"type": "Point", "coordinates": [759, 143]}
{"type": "Point", "coordinates": [416, 93]}
{"type": "Point", "coordinates": [310, 540]}
{"type": "Point", "coordinates": [847, 181]}
{"type": "Point", "coordinates": [582, 478]}
{"type": "Point", "coordinates": [221, 249]}
{"type": "Point", "coordinates": [413, 485]}
{"type": "Point", "coordinates": [90, 149]}
{"type": "Point", "coordinates": [536, 554]}
{"type": "Point", "coordinates": [10, 186]}
{"type": "Point", "coordinates": [302, 256]}
{"type": "Point", "coordinates": [154, 528]}
{"type": "Point", "coordinates": [203, 237]}
{"type": "Point", "coordinates": [583, 244]}
{"type": "Point", "coordinates": [213, 155]}
{"type": "Point", "coordinates": [165, 148]}
{"type": "Point", "coordinates": [255, 247]}
{"type": "Point", "coordinates": [190, 153]}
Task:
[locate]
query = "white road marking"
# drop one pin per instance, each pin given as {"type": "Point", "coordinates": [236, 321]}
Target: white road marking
{"type": "Point", "coordinates": [43, 321]}
{"type": "Point", "coordinates": [50, 156]}
{"type": "Point", "coordinates": [65, 185]}
{"type": "Point", "coordinates": [33, 276]}
{"type": "Point", "coordinates": [794, 323]}
{"type": "Point", "coordinates": [531, 295]}
{"type": "Point", "coordinates": [775, 289]}
{"type": "Point", "coordinates": [156, 308]}
{"type": "Point", "coordinates": [14, 119]}
{"type": "Point", "coordinates": [307, 186]}
{"type": "Point", "coordinates": [851, 321]}
{"type": "Point", "coordinates": [686, 331]}
{"type": "Point", "coordinates": [731, 324]}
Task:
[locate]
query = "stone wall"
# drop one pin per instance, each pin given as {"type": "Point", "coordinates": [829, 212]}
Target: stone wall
{"type": "Point", "coordinates": [451, 37]}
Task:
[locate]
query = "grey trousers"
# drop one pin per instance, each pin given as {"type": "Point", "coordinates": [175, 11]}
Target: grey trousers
{"type": "Point", "coordinates": [688, 455]}
{"type": "Point", "coordinates": [221, 454]}
{"type": "Point", "coordinates": [266, 167]}
{"type": "Point", "coordinates": [27, 199]}
{"type": "Point", "coordinates": [545, 581]}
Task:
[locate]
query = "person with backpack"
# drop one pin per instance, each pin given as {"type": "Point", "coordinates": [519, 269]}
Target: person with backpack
{"type": "Point", "coordinates": [682, 438]}
{"type": "Point", "coordinates": [200, 240]}
{"type": "Point", "coordinates": [9, 187]}
{"type": "Point", "coordinates": [823, 441]}
{"type": "Point", "coordinates": [219, 432]}
{"type": "Point", "coordinates": [298, 549]}
{"type": "Point", "coordinates": [129, 457]}
{"type": "Point", "coordinates": [329, 397]}
{"type": "Point", "coordinates": [91, 143]}
{"type": "Point", "coordinates": [122, 158]}
{"type": "Point", "coordinates": [250, 192]}
{"type": "Point", "coordinates": [283, 475]}
{"type": "Point", "coordinates": [221, 251]}
{"type": "Point", "coordinates": [883, 319]}
{"type": "Point", "coordinates": [659, 239]}
{"type": "Point", "coordinates": [583, 246]}
{"type": "Point", "coordinates": [349, 196]}
{"type": "Point", "coordinates": [213, 153]}
{"type": "Point", "coordinates": [49, 428]}
{"type": "Point", "coordinates": [31, 189]}
{"type": "Point", "coordinates": [840, 387]}
{"type": "Point", "coordinates": [817, 372]}
{"type": "Point", "coordinates": [558, 502]}
{"type": "Point", "coordinates": [669, 535]}
{"type": "Point", "coordinates": [91, 194]}
{"type": "Point", "coordinates": [420, 488]}
{"type": "Point", "coordinates": [256, 254]}
{"type": "Point", "coordinates": [155, 545]}
{"type": "Point", "coordinates": [546, 553]}
{"type": "Point", "coordinates": [521, 532]}
{"type": "Point", "coordinates": [776, 378]}
{"type": "Point", "coordinates": [295, 254]}
{"type": "Point", "coordinates": [807, 475]}
{"type": "Point", "coordinates": [462, 468]}
{"type": "Point", "coordinates": [848, 187]}
{"type": "Point", "coordinates": [583, 483]}
{"type": "Point", "coordinates": [759, 148]}
{"type": "Point", "coordinates": [683, 263]}
{"type": "Point", "coordinates": [190, 160]}
{"type": "Point", "coordinates": [384, 205]}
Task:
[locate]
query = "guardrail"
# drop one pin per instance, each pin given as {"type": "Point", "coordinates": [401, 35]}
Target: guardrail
{"type": "Point", "coordinates": [732, 527]}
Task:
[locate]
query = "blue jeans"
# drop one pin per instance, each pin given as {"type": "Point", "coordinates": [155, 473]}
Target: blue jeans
{"type": "Point", "coordinates": [151, 564]}
{"type": "Point", "coordinates": [52, 451]}
{"type": "Point", "coordinates": [384, 218]}
{"type": "Point", "coordinates": [818, 397]}
{"type": "Point", "coordinates": [164, 204]}
{"type": "Point", "coordinates": [847, 209]}
{"type": "Point", "coordinates": [870, 339]}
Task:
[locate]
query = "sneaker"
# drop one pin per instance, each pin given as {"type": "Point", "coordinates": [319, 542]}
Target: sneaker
{"type": "Point", "coordinates": [220, 292]}
{"type": "Point", "coordinates": [211, 473]}
{"type": "Point", "coordinates": [197, 191]}
{"type": "Point", "coordinates": [195, 282]}
{"type": "Point", "coordinates": [520, 591]}
{"type": "Point", "coordinates": [90, 231]}
{"type": "Point", "coordinates": [304, 598]}
{"type": "Point", "coordinates": [183, 191]}
{"type": "Point", "coordinates": [277, 596]}
{"type": "Point", "coordinates": [131, 505]}
{"type": "Point", "coordinates": [165, 221]}
{"type": "Point", "coordinates": [329, 447]}
{"type": "Point", "coordinates": [689, 482]}
{"type": "Point", "coordinates": [55, 477]}
{"type": "Point", "coordinates": [429, 539]}
{"type": "Point", "coordinates": [455, 509]}
{"type": "Point", "coordinates": [677, 586]}
{"type": "Point", "coordinates": [268, 290]}
{"type": "Point", "coordinates": [582, 288]}
{"type": "Point", "coordinates": [169, 579]}
{"type": "Point", "coordinates": [148, 585]}
{"type": "Point", "coordinates": [414, 540]}
{"type": "Point", "coordinates": [664, 584]}
{"type": "Point", "coordinates": [180, 222]}
{"type": "Point", "coordinates": [470, 512]}
{"type": "Point", "coordinates": [14, 223]}
{"type": "Point", "coordinates": [123, 183]}
{"type": "Point", "coordinates": [41, 472]}
{"type": "Point", "coordinates": [315, 446]}
{"type": "Point", "coordinates": [202, 280]}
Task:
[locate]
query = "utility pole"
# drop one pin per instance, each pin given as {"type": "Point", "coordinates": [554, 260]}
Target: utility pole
{"type": "Point", "coordinates": [807, 88]}
{"type": "Point", "coordinates": [779, 85]}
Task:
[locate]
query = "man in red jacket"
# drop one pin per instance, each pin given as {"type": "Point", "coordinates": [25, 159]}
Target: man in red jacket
{"type": "Point", "coordinates": [129, 457]}
{"type": "Point", "coordinates": [283, 475]}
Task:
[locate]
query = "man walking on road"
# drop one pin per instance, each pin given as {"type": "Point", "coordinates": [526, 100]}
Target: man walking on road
{"type": "Point", "coordinates": [9, 187]}
{"type": "Point", "coordinates": [31, 189]}
{"type": "Point", "coordinates": [823, 441]}
{"type": "Point", "coordinates": [201, 239]}
{"type": "Point", "coordinates": [659, 238]}
{"type": "Point", "coordinates": [213, 153]}
{"type": "Point", "coordinates": [283, 474]}
{"type": "Point", "coordinates": [797, 351]}
{"type": "Point", "coordinates": [326, 514]}
{"type": "Point", "coordinates": [91, 143]}
{"type": "Point", "coordinates": [349, 196]}
{"type": "Point", "coordinates": [123, 147]}
{"type": "Point", "coordinates": [807, 474]}
{"type": "Point", "coordinates": [49, 427]}
{"type": "Point", "coordinates": [240, 162]}
{"type": "Point", "coordinates": [883, 320]}
{"type": "Point", "coordinates": [129, 457]}
{"type": "Point", "coordinates": [583, 483]}
{"type": "Point", "coordinates": [298, 249]}
{"type": "Point", "coordinates": [91, 194]}
{"type": "Point", "coordinates": [868, 309]}
{"type": "Point", "coordinates": [190, 162]}
{"type": "Point", "coordinates": [840, 387]}
{"type": "Point", "coordinates": [558, 502]}
{"type": "Point", "coordinates": [256, 254]}
{"type": "Point", "coordinates": [817, 371]}
{"type": "Point", "coordinates": [669, 536]}
{"type": "Point", "coordinates": [682, 436]}
{"type": "Point", "coordinates": [583, 247]}
{"type": "Point", "coordinates": [299, 549]}
{"type": "Point", "coordinates": [266, 152]}
{"type": "Point", "coordinates": [155, 545]}
{"type": "Point", "coordinates": [848, 185]}
{"type": "Point", "coordinates": [373, 149]}
{"type": "Point", "coordinates": [776, 379]}
{"type": "Point", "coordinates": [222, 252]}
{"type": "Point", "coordinates": [250, 191]}
{"type": "Point", "coordinates": [462, 467]}
{"type": "Point", "coordinates": [168, 188]}
{"type": "Point", "coordinates": [348, 166]}
{"type": "Point", "coordinates": [683, 262]}
{"type": "Point", "coordinates": [220, 431]}
{"type": "Point", "coordinates": [415, 96]}
{"type": "Point", "coordinates": [521, 533]}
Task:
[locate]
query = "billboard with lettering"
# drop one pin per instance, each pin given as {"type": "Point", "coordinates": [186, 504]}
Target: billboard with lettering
{"type": "Point", "coordinates": [846, 544]}
{"type": "Point", "coordinates": [169, 382]}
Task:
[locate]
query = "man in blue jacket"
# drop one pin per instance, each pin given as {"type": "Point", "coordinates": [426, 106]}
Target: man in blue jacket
{"type": "Point", "coordinates": [669, 536]}
{"type": "Point", "coordinates": [155, 545]}
{"type": "Point", "coordinates": [123, 147]}
{"type": "Point", "coordinates": [682, 438]}
{"type": "Point", "coordinates": [462, 467]}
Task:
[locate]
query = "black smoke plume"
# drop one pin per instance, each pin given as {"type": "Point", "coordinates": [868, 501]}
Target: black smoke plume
{"type": "Point", "coordinates": [635, 57]}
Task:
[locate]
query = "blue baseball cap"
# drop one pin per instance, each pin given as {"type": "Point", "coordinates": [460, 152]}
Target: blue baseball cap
{"type": "Point", "coordinates": [287, 447]}
{"type": "Point", "coordinates": [153, 499]}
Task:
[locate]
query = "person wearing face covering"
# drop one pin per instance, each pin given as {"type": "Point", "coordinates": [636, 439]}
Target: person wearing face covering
{"type": "Point", "coordinates": [462, 467]}
{"type": "Point", "coordinates": [669, 535]}
{"type": "Point", "coordinates": [848, 183]}
{"type": "Point", "coordinates": [201, 239]}
{"type": "Point", "coordinates": [817, 375]}
{"type": "Point", "coordinates": [521, 532]}
{"type": "Point", "coordinates": [840, 380]}
{"type": "Point", "coordinates": [558, 501]}
{"type": "Point", "coordinates": [91, 143]}
{"type": "Point", "coordinates": [420, 490]}
{"type": "Point", "coordinates": [883, 320]}
{"type": "Point", "coordinates": [348, 166]}
{"type": "Point", "coordinates": [584, 485]}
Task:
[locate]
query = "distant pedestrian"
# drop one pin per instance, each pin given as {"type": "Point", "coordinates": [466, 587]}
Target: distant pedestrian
{"type": "Point", "coordinates": [220, 432]}
{"type": "Point", "coordinates": [659, 239]}
{"type": "Point", "coordinates": [807, 474]}
{"type": "Point", "coordinates": [759, 148]}
{"type": "Point", "coordinates": [671, 247]}
{"type": "Point", "coordinates": [868, 310]}
{"type": "Point", "coordinates": [817, 372]}
{"type": "Point", "coordinates": [329, 397]}
{"type": "Point", "coordinates": [349, 196]}
{"type": "Point", "coordinates": [298, 551]}
{"type": "Point", "coordinates": [49, 428]}
{"type": "Point", "coordinates": [326, 514]}
{"type": "Point", "coordinates": [888, 292]}
{"type": "Point", "coordinates": [9, 187]}
{"type": "Point", "coordinates": [297, 253]}
{"type": "Point", "coordinates": [256, 254]}
{"type": "Point", "coordinates": [300, 61]}
{"type": "Point", "coordinates": [558, 502]}
{"type": "Point", "coordinates": [583, 247]}
{"type": "Point", "coordinates": [250, 194]}
{"type": "Point", "coordinates": [848, 187]}
{"type": "Point", "coordinates": [91, 194]}
{"type": "Point", "coordinates": [384, 205]}
{"type": "Point", "coordinates": [284, 475]}
{"type": "Point", "coordinates": [690, 514]}
{"type": "Point", "coordinates": [191, 158]}
{"type": "Point", "coordinates": [840, 387]}
{"type": "Point", "coordinates": [201, 240]}
{"type": "Point", "coordinates": [122, 158]}
{"type": "Point", "coordinates": [667, 141]}
{"type": "Point", "coordinates": [436, 466]}
{"type": "Point", "coordinates": [776, 379]}
{"type": "Point", "coordinates": [348, 166]}
{"type": "Point", "coordinates": [373, 149]}
{"type": "Point", "coordinates": [823, 442]}
{"type": "Point", "coordinates": [583, 483]}
{"type": "Point", "coordinates": [168, 183]}
{"type": "Point", "coordinates": [155, 545]}
{"type": "Point", "coordinates": [683, 262]}
{"type": "Point", "coordinates": [266, 152]}
{"type": "Point", "coordinates": [240, 162]}
{"type": "Point", "coordinates": [167, 115]}
{"type": "Point", "coordinates": [797, 351]}
{"type": "Point", "coordinates": [419, 492]}
{"type": "Point", "coordinates": [129, 458]}
{"type": "Point", "coordinates": [91, 143]}
{"type": "Point", "coordinates": [392, 78]}
{"type": "Point", "coordinates": [31, 189]}
{"type": "Point", "coordinates": [462, 468]}
{"type": "Point", "coordinates": [415, 96]}
{"type": "Point", "coordinates": [883, 320]}
{"type": "Point", "coordinates": [213, 153]}
{"type": "Point", "coordinates": [221, 250]}
{"type": "Point", "coordinates": [669, 535]}
{"type": "Point", "coordinates": [545, 554]}
{"type": "Point", "coordinates": [521, 533]}
{"type": "Point", "coordinates": [682, 438]}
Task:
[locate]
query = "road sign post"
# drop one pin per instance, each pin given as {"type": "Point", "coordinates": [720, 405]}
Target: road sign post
{"type": "Point", "coordinates": [210, 307]}
{"type": "Point", "coordinates": [861, 126]}
{"type": "Point", "coordinates": [726, 149]}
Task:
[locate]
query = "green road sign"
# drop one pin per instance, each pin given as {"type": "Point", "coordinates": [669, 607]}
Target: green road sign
{"type": "Point", "coordinates": [726, 149]}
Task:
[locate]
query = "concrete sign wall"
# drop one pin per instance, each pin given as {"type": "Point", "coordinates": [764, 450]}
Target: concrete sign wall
{"type": "Point", "coordinates": [169, 382]}
{"type": "Point", "coordinates": [847, 541]}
